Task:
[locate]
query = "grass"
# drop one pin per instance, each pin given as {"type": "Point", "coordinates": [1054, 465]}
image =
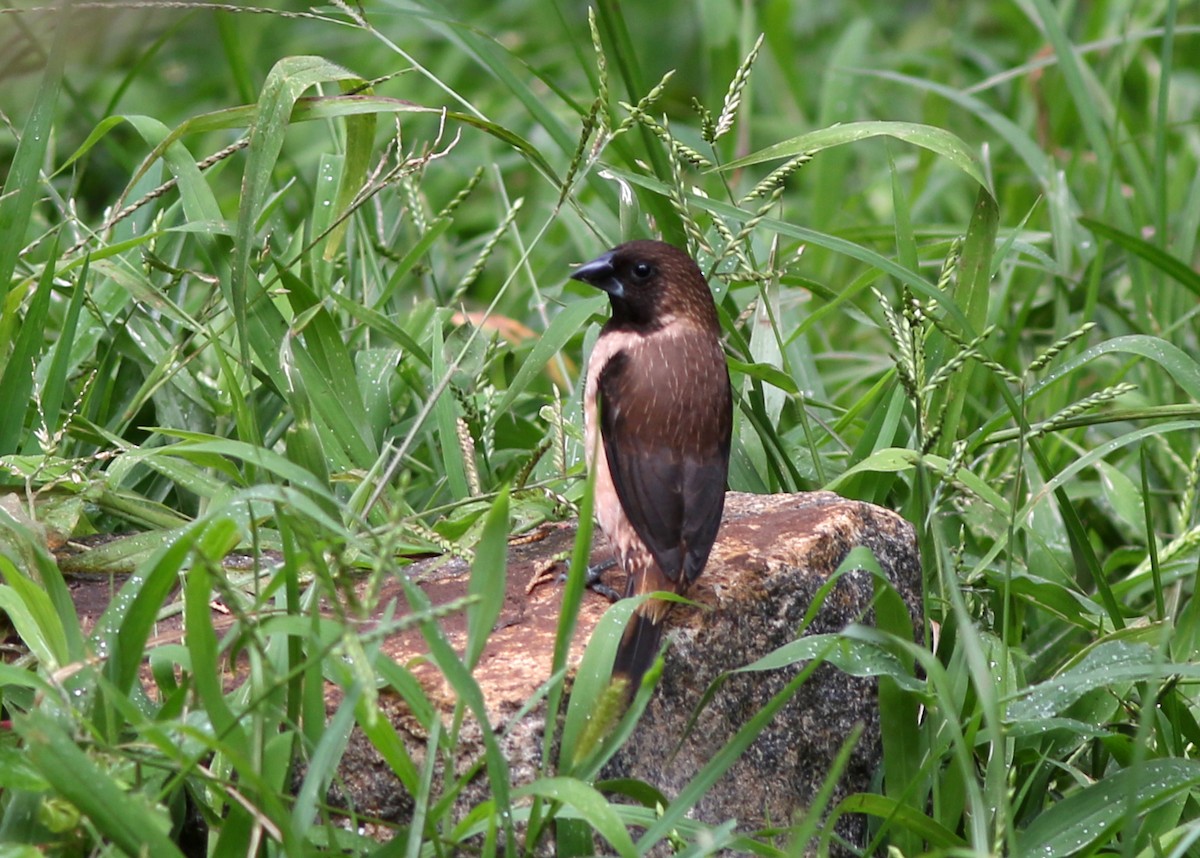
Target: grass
{"type": "Point", "coordinates": [295, 283]}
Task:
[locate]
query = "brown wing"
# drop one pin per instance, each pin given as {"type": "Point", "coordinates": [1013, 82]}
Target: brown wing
{"type": "Point", "coordinates": [666, 428]}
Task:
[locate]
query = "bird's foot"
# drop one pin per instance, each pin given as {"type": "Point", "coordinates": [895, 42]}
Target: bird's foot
{"type": "Point", "coordinates": [593, 577]}
{"type": "Point", "coordinates": [593, 580]}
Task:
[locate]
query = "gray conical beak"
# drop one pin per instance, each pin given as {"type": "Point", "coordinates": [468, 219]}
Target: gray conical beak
{"type": "Point", "coordinates": [601, 274]}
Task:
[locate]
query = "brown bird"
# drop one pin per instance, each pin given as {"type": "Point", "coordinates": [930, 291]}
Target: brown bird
{"type": "Point", "coordinates": [658, 395]}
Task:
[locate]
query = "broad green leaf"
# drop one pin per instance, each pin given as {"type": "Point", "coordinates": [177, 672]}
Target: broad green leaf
{"type": "Point", "coordinates": [1126, 499]}
{"type": "Point", "coordinates": [360, 148]}
{"type": "Point", "coordinates": [16, 381]}
{"type": "Point", "coordinates": [937, 140]}
{"type": "Point", "coordinates": [1094, 814]}
{"type": "Point", "coordinates": [203, 647]}
{"type": "Point", "coordinates": [971, 290]}
{"type": "Point", "coordinates": [131, 824]}
{"type": "Point", "coordinates": [194, 444]}
{"type": "Point", "coordinates": [54, 387]}
{"type": "Point", "coordinates": [590, 804]}
{"type": "Point", "coordinates": [1174, 268]}
{"type": "Point", "coordinates": [904, 817]}
{"type": "Point", "coordinates": [467, 690]}
{"type": "Point", "coordinates": [489, 574]}
{"type": "Point", "coordinates": [445, 415]}
{"type": "Point", "coordinates": [765, 372]}
{"type": "Point", "coordinates": [29, 611]}
{"type": "Point", "coordinates": [288, 79]}
{"type": "Point", "coordinates": [854, 657]}
{"type": "Point", "coordinates": [565, 325]}
{"type": "Point", "coordinates": [1179, 365]}
{"type": "Point", "coordinates": [37, 593]}
{"type": "Point", "coordinates": [584, 746]}
{"type": "Point", "coordinates": [1106, 664]}
{"type": "Point", "coordinates": [21, 185]}
{"type": "Point", "coordinates": [199, 203]}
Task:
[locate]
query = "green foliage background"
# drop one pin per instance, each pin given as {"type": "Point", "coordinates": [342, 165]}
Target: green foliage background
{"type": "Point", "coordinates": [294, 282]}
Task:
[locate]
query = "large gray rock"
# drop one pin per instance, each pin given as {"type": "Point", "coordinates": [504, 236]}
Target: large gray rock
{"type": "Point", "coordinates": [772, 555]}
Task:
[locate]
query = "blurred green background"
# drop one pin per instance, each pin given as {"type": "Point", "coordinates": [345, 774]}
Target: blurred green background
{"type": "Point", "coordinates": [294, 281]}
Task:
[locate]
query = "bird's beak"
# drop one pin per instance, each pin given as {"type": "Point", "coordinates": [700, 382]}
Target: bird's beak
{"type": "Point", "coordinates": [601, 274]}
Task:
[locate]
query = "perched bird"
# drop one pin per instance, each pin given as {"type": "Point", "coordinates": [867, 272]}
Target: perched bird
{"type": "Point", "coordinates": [657, 397]}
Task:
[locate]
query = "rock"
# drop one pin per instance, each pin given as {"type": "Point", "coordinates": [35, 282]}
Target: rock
{"type": "Point", "coordinates": [772, 555]}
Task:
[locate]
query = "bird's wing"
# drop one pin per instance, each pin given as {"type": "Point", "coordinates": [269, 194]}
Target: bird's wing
{"type": "Point", "coordinates": [667, 445]}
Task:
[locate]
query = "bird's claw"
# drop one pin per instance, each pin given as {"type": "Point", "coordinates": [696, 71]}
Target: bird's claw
{"type": "Point", "coordinates": [593, 579]}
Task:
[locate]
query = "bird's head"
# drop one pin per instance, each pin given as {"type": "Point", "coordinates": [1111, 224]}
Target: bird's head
{"type": "Point", "coordinates": [651, 284]}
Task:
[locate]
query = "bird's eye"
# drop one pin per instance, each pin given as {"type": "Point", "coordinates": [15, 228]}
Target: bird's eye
{"type": "Point", "coordinates": [642, 270]}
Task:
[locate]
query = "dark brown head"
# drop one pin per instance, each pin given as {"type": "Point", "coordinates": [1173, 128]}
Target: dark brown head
{"type": "Point", "coordinates": [651, 283]}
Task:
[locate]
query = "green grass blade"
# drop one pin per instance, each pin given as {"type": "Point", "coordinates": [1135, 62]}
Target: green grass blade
{"type": "Point", "coordinates": [16, 382]}
{"type": "Point", "coordinates": [288, 79]}
{"type": "Point", "coordinates": [23, 179]}
{"type": "Point", "coordinates": [903, 817]}
{"type": "Point", "coordinates": [1071, 66]}
{"type": "Point", "coordinates": [40, 591]}
{"type": "Point", "coordinates": [936, 140]}
{"type": "Point", "coordinates": [590, 804]}
{"type": "Point", "coordinates": [489, 574]}
{"type": "Point", "coordinates": [204, 650]}
{"type": "Point", "coordinates": [468, 691]}
{"type": "Point", "coordinates": [360, 148]}
{"type": "Point", "coordinates": [445, 415]}
{"type": "Point", "coordinates": [1093, 815]}
{"type": "Point", "coordinates": [130, 824]}
{"type": "Point", "coordinates": [724, 759]}
{"type": "Point", "coordinates": [971, 296]}
{"type": "Point", "coordinates": [55, 387]}
{"type": "Point", "coordinates": [1139, 247]}
{"type": "Point", "coordinates": [565, 325]}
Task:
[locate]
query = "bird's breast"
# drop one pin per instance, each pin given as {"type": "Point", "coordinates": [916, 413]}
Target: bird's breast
{"type": "Point", "coordinates": [609, 513]}
{"type": "Point", "coordinates": [667, 395]}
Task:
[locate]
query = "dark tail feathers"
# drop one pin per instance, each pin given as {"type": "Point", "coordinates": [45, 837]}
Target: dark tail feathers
{"type": "Point", "coordinates": [637, 650]}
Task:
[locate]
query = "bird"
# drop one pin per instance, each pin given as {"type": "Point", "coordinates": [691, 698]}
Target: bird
{"type": "Point", "coordinates": [658, 418]}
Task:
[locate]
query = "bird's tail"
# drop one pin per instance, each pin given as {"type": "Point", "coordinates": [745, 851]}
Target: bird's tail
{"type": "Point", "coordinates": [638, 647]}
